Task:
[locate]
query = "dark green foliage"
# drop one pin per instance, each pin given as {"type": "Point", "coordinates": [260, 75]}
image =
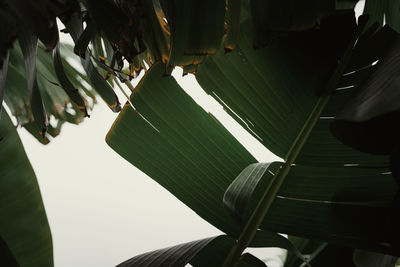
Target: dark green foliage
{"type": "Point", "coordinates": [314, 86]}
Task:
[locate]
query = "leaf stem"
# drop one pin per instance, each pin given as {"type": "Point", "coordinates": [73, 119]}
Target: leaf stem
{"type": "Point", "coordinates": [271, 191]}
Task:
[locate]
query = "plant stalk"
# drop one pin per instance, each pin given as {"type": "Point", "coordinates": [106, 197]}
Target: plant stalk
{"type": "Point", "coordinates": [272, 190]}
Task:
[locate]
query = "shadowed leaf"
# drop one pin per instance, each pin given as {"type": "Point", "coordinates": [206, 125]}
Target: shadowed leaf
{"type": "Point", "coordinates": [3, 77]}
{"type": "Point", "coordinates": [202, 253]}
{"type": "Point", "coordinates": [28, 43]}
{"type": "Point", "coordinates": [66, 84]}
{"type": "Point", "coordinates": [23, 223]}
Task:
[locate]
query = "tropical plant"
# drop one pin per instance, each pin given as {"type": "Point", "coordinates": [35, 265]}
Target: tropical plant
{"type": "Point", "coordinates": [315, 86]}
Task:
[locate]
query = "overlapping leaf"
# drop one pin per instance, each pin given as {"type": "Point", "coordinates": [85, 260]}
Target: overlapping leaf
{"type": "Point", "coordinates": [23, 223]}
{"type": "Point", "coordinates": [75, 28]}
{"type": "Point", "coordinates": [183, 152]}
{"type": "Point", "coordinates": [203, 253]}
{"type": "Point", "coordinates": [184, 149]}
{"type": "Point", "coordinates": [3, 76]}
{"type": "Point", "coordinates": [272, 18]}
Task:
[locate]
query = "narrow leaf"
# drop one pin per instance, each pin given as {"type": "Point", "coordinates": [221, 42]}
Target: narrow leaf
{"type": "Point", "coordinates": [204, 252]}
{"type": "Point", "coordinates": [3, 77]}
{"type": "Point", "coordinates": [106, 92]}
{"type": "Point", "coordinates": [66, 84]}
{"type": "Point", "coordinates": [28, 43]}
{"type": "Point", "coordinates": [82, 43]}
{"type": "Point", "coordinates": [37, 18]}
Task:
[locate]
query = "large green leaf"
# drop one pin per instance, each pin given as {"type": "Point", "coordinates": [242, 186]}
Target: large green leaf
{"type": "Point", "coordinates": [368, 121]}
{"type": "Point", "coordinates": [342, 205]}
{"type": "Point", "coordinates": [348, 206]}
{"type": "Point", "coordinates": [23, 223]}
{"type": "Point", "coordinates": [271, 93]}
{"type": "Point", "coordinates": [184, 149]}
{"type": "Point", "coordinates": [208, 252]}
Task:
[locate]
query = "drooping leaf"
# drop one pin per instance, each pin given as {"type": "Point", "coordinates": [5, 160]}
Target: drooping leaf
{"type": "Point", "coordinates": [8, 32]}
{"type": "Point", "coordinates": [3, 77]}
{"type": "Point", "coordinates": [66, 84]}
{"type": "Point", "coordinates": [55, 100]}
{"type": "Point", "coordinates": [23, 223]}
{"type": "Point", "coordinates": [40, 17]}
{"type": "Point", "coordinates": [28, 43]}
{"type": "Point", "coordinates": [159, 29]}
{"type": "Point", "coordinates": [82, 43]}
{"type": "Point", "coordinates": [75, 28]}
{"type": "Point", "coordinates": [196, 29]}
{"type": "Point", "coordinates": [33, 129]}
{"type": "Point", "coordinates": [202, 253]}
{"type": "Point", "coordinates": [16, 95]}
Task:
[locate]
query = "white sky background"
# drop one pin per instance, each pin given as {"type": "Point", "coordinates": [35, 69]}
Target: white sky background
{"type": "Point", "coordinates": [101, 209]}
